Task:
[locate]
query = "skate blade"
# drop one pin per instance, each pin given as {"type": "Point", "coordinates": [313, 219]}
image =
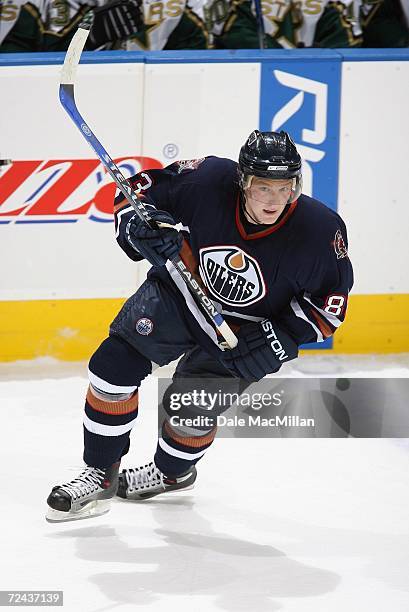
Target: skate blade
{"type": "Point", "coordinates": [149, 497]}
{"type": "Point", "coordinates": [93, 509]}
{"type": "Point", "coordinates": [189, 488]}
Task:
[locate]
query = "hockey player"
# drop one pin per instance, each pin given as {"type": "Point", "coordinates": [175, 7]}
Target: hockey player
{"type": "Point", "coordinates": [274, 260]}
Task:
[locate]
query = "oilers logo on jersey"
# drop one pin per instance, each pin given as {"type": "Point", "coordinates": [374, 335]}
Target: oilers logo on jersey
{"type": "Point", "coordinates": [232, 275]}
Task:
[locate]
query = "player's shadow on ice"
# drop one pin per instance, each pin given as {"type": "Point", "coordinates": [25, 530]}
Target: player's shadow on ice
{"type": "Point", "coordinates": [187, 558]}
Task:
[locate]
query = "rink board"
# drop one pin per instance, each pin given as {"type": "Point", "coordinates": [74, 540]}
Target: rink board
{"type": "Point", "coordinates": [66, 277]}
{"type": "Point", "coordinates": [72, 329]}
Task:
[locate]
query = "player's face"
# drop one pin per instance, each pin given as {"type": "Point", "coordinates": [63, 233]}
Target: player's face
{"type": "Point", "coordinates": [266, 198]}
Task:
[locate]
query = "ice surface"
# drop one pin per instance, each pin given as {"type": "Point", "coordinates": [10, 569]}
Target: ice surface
{"type": "Point", "coordinates": [298, 525]}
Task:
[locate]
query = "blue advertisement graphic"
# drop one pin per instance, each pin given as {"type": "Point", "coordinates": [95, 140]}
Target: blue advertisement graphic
{"type": "Point", "coordinates": [303, 98]}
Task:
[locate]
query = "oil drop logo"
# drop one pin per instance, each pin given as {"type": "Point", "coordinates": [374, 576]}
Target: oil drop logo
{"type": "Point", "coordinates": [232, 276]}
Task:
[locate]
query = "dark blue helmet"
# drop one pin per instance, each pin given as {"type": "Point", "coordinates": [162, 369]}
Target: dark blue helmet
{"type": "Point", "coordinates": [271, 155]}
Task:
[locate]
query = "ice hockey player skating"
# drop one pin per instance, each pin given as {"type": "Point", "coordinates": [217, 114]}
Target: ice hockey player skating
{"type": "Point", "coordinates": [273, 260]}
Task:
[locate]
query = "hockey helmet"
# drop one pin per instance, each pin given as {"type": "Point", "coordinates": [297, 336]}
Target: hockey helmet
{"type": "Point", "coordinates": [271, 155]}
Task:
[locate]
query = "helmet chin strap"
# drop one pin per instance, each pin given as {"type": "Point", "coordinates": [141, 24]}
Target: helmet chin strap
{"type": "Point", "coordinates": [250, 217]}
{"type": "Point", "coordinates": [243, 201]}
{"type": "Point", "coordinates": [246, 212]}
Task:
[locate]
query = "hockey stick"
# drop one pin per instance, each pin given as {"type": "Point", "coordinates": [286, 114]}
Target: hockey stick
{"type": "Point", "coordinates": [260, 24]}
{"type": "Point", "coordinates": [67, 99]}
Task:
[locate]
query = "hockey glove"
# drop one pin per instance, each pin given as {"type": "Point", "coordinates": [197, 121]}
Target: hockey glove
{"type": "Point", "coordinates": [155, 245]}
{"type": "Point", "coordinates": [261, 350]}
{"type": "Point", "coordinates": [115, 20]}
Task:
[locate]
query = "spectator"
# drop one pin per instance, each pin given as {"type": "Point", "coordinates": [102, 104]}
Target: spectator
{"type": "Point", "coordinates": [49, 25]}
{"type": "Point", "coordinates": [287, 24]}
{"type": "Point", "coordinates": [385, 23]}
{"type": "Point", "coordinates": [170, 25]}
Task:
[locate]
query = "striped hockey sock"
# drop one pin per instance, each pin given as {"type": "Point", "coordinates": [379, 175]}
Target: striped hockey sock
{"type": "Point", "coordinates": [177, 450]}
{"type": "Point", "coordinates": [108, 420]}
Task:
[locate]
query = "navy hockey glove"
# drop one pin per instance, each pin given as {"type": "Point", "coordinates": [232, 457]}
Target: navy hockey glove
{"type": "Point", "coordinates": [261, 350]}
{"type": "Point", "coordinates": [115, 20]}
{"type": "Point", "coordinates": [155, 245]}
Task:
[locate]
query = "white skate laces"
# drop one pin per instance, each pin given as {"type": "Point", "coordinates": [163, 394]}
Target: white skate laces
{"type": "Point", "coordinates": [87, 495]}
{"type": "Point", "coordinates": [88, 482]}
{"type": "Point", "coordinates": [148, 481]}
{"type": "Point", "coordinates": [145, 477]}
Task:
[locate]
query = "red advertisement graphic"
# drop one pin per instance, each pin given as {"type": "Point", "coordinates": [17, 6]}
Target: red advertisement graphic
{"type": "Point", "coordinates": [62, 190]}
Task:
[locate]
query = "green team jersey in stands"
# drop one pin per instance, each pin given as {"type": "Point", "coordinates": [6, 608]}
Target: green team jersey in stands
{"type": "Point", "coordinates": [40, 25]}
{"type": "Point", "coordinates": [385, 23]}
{"type": "Point", "coordinates": [49, 25]}
{"type": "Point", "coordinates": [170, 24]}
{"type": "Point", "coordinates": [287, 24]}
{"type": "Point", "coordinates": [21, 27]}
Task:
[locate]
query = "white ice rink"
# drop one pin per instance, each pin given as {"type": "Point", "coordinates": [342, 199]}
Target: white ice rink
{"type": "Point", "coordinates": [298, 525]}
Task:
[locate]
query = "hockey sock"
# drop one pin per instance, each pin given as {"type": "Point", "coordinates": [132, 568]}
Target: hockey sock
{"type": "Point", "coordinates": [108, 420]}
{"type": "Point", "coordinates": [177, 451]}
{"type": "Point", "coordinates": [115, 373]}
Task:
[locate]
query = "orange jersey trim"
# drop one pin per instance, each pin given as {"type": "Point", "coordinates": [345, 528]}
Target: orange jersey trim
{"type": "Point", "coordinates": [120, 206]}
{"type": "Point", "coordinates": [186, 255]}
{"type": "Point", "coordinates": [323, 326]}
{"type": "Point", "coordinates": [124, 202]}
{"type": "Point", "coordinates": [262, 233]}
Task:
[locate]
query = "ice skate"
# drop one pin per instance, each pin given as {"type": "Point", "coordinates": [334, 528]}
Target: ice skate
{"type": "Point", "coordinates": [147, 481]}
{"type": "Point", "coordinates": [86, 496]}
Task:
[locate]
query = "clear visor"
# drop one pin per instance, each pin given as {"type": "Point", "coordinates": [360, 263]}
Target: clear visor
{"type": "Point", "coordinates": [269, 191]}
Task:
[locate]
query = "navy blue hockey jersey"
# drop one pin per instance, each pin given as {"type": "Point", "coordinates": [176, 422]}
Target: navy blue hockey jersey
{"type": "Point", "coordinates": [296, 272]}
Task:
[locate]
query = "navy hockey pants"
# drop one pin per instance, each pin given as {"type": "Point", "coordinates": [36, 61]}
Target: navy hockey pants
{"type": "Point", "coordinates": [150, 328]}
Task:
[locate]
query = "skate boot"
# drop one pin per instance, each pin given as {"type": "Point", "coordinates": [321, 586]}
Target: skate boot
{"type": "Point", "coordinates": [86, 496]}
{"type": "Point", "coordinates": [147, 481]}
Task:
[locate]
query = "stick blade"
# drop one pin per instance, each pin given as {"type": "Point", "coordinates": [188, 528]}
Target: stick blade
{"type": "Point", "coordinates": [72, 57]}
